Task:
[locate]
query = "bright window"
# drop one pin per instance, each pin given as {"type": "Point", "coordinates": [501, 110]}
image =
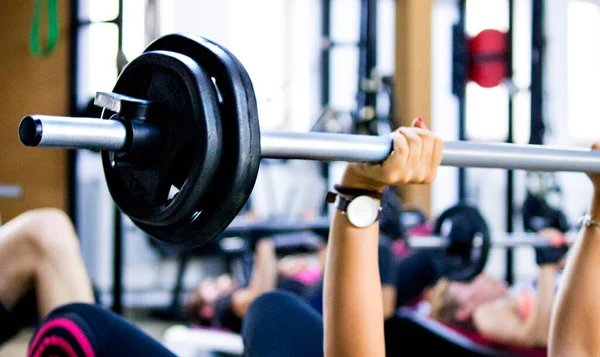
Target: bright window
{"type": "Point", "coordinates": [487, 108]}
{"type": "Point", "coordinates": [583, 70]}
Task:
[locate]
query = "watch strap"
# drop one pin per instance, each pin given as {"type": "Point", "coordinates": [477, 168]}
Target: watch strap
{"type": "Point", "coordinates": [351, 191]}
{"type": "Point", "coordinates": [343, 202]}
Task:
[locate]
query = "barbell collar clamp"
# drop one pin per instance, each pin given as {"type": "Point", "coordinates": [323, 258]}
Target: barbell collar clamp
{"type": "Point", "coordinates": [124, 105]}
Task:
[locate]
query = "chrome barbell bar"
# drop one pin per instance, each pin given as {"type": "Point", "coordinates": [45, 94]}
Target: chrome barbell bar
{"type": "Point", "coordinates": [498, 240]}
{"type": "Point", "coordinates": [111, 135]}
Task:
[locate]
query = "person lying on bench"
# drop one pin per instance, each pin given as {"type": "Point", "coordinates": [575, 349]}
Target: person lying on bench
{"type": "Point", "coordinates": [219, 302]}
{"type": "Point", "coordinates": [515, 316]}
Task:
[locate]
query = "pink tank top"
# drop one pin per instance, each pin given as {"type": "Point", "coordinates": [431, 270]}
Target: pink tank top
{"type": "Point", "coordinates": [308, 276]}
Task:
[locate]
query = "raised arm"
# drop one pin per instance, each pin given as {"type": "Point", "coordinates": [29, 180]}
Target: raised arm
{"type": "Point", "coordinates": [263, 279]}
{"type": "Point", "coordinates": [575, 326]}
{"type": "Point", "coordinates": [353, 310]}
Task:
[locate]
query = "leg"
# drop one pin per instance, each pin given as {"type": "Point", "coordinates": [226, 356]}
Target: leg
{"type": "Point", "coordinates": [40, 250]}
{"type": "Point", "coordinates": [283, 325]}
{"type": "Point", "coordinates": [22, 314]}
{"type": "Point", "coordinates": [84, 330]}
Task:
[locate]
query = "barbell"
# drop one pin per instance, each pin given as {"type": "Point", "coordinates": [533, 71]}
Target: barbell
{"type": "Point", "coordinates": [465, 262]}
{"type": "Point", "coordinates": [461, 245]}
{"type": "Point", "coordinates": [462, 235]}
{"type": "Point", "coordinates": [113, 135]}
{"type": "Point", "coordinates": [181, 143]}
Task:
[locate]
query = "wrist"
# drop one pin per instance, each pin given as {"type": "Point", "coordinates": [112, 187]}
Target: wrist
{"type": "Point", "coordinates": [265, 244]}
{"type": "Point", "coordinates": [552, 267]}
{"type": "Point", "coordinates": [595, 206]}
{"type": "Point", "coordinates": [351, 179]}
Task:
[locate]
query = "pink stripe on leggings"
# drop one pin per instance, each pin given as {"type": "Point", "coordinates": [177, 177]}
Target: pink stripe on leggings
{"type": "Point", "coordinates": [55, 341]}
{"type": "Point", "coordinates": [72, 328]}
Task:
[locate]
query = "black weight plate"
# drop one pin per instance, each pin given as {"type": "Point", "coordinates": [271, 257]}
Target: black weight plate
{"type": "Point", "coordinates": [191, 133]}
{"type": "Point", "coordinates": [470, 242]}
{"type": "Point", "coordinates": [240, 158]}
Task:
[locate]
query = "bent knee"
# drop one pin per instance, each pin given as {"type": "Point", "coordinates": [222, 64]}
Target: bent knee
{"type": "Point", "coordinates": [46, 217]}
{"type": "Point", "coordinates": [273, 301]}
{"type": "Point", "coordinates": [279, 306]}
{"type": "Point", "coordinates": [49, 231]}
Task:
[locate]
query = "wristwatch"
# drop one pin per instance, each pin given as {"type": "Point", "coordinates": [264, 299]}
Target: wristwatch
{"type": "Point", "coordinates": [362, 211]}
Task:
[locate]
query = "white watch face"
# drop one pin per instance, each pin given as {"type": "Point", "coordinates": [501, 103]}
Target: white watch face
{"type": "Point", "coordinates": [362, 211]}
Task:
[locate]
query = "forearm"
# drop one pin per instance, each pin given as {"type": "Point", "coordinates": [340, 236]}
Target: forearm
{"type": "Point", "coordinates": [263, 279]}
{"type": "Point", "coordinates": [264, 271]}
{"type": "Point", "coordinates": [576, 318]}
{"type": "Point", "coordinates": [353, 309]}
{"type": "Point", "coordinates": [538, 324]}
{"type": "Point", "coordinates": [352, 298]}
{"type": "Point", "coordinates": [390, 297]}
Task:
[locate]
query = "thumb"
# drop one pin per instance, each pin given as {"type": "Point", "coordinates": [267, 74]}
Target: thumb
{"type": "Point", "coordinates": [596, 146]}
{"type": "Point", "coordinates": [419, 123]}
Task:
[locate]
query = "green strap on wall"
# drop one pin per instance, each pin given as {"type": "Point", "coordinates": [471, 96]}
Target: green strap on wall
{"type": "Point", "coordinates": [34, 39]}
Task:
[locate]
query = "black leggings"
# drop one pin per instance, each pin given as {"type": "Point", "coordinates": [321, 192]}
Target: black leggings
{"type": "Point", "coordinates": [281, 324]}
{"type": "Point", "coordinates": [85, 330]}
{"type": "Point", "coordinates": [276, 324]}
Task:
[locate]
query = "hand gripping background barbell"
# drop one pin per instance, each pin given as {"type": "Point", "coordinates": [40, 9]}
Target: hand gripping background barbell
{"type": "Point", "coordinates": [183, 115]}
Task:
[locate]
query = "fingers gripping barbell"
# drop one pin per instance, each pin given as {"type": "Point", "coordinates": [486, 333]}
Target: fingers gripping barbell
{"type": "Point", "coordinates": [183, 115]}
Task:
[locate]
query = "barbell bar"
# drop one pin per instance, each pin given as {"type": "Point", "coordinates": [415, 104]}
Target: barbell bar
{"type": "Point", "coordinates": [112, 135]}
{"type": "Point", "coordinates": [498, 240]}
